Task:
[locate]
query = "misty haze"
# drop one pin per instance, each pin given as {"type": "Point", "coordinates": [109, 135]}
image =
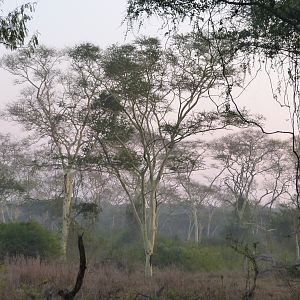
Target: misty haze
{"type": "Point", "coordinates": [150, 149]}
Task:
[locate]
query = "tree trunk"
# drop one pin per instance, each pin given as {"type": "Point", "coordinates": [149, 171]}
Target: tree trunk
{"type": "Point", "coordinates": [10, 214]}
{"type": "Point", "coordinates": [196, 224]}
{"type": "Point", "coordinates": [113, 223]}
{"type": "Point", "coordinates": [214, 231]}
{"type": "Point", "coordinates": [208, 227]}
{"type": "Point", "coordinates": [241, 205]}
{"type": "Point", "coordinates": [68, 194]}
{"type": "Point", "coordinates": [191, 226]}
{"type": "Point", "coordinates": [148, 265]}
{"type": "Point", "coordinates": [3, 214]}
{"type": "Point", "coordinates": [150, 233]}
{"type": "Point", "coordinates": [210, 216]}
{"type": "Point", "coordinates": [297, 246]}
{"type": "Point", "coordinates": [200, 234]}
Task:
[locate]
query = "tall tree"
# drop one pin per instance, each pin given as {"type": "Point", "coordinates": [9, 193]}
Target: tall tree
{"type": "Point", "coordinates": [13, 179]}
{"type": "Point", "coordinates": [249, 158]}
{"type": "Point", "coordinates": [186, 162]}
{"type": "Point", "coordinates": [157, 95]}
{"type": "Point", "coordinates": [54, 106]}
{"type": "Point", "coordinates": [269, 29]}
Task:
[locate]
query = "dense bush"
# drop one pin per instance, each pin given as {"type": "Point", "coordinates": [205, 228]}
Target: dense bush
{"type": "Point", "coordinates": [28, 239]}
{"type": "Point", "coordinates": [192, 257]}
{"type": "Point", "coordinates": [124, 249]}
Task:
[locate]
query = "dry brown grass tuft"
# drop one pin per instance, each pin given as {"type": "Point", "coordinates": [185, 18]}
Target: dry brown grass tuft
{"type": "Point", "coordinates": [22, 278]}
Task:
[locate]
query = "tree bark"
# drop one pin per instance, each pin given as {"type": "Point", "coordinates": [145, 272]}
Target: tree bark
{"type": "Point", "coordinates": [3, 214]}
{"type": "Point", "coordinates": [210, 216]}
{"type": "Point", "coordinates": [70, 295]}
{"type": "Point", "coordinates": [150, 231]}
{"type": "Point", "coordinates": [148, 265]}
{"type": "Point", "coordinates": [297, 246]}
{"type": "Point", "coordinates": [196, 224]}
{"type": "Point", "coordinates": [68, 194]}
{"type": "Point", "coordinates": [191, 226]}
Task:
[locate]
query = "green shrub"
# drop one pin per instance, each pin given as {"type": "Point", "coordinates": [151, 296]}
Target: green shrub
{"type": "Point", "coordinates": [125, 250]}
{"type": "Point", "coordinates": [192, 257]}
{"type": "Point", "coordinates": [28, 239]}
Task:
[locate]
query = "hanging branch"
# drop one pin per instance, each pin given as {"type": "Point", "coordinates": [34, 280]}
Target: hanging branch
{"type": "Point", "coordinates": [256, 124]}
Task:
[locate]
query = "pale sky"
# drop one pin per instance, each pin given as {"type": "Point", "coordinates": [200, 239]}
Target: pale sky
{"type": "Point", "coordinates": [62, 23]}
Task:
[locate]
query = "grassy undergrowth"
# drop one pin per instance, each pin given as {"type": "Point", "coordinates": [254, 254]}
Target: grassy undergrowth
{"type": "Point", "coordinates": [33, 278]}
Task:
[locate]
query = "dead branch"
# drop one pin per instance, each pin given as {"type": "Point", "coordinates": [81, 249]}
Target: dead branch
{"type": "Point", "coordinates": [69, 295]}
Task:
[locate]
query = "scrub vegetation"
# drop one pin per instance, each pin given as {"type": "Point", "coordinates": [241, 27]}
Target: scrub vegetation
{"type": "Point", "coordinates": [140, 157]}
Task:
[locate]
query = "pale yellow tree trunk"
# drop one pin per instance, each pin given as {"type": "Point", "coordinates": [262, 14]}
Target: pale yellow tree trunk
{"type": "Point", "coordinates": [190, 228]}
{"type": "Point", "coordinates": [68, 194]}
{"type": "Point", "coordinates": [148, 261]}
{"type": "Point", "coordinates": [196, 224]}
{"type": "Point", "coordinates": [297, 246]}
{"type": "Point", "coordinates": [149, 233]}
{"type": "Point", "coordinates": [3, 214]}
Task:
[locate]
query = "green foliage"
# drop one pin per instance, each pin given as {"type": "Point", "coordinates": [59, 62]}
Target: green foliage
{"type": "Point", "coordinates": [85, 53]}
{"type": "Point", "coordinates": [9, 185]}
{"type": "Point", "coordinates": [235, 229]}
{"type": "Point", "coordinates": [127, 159]}
{"type": "Point", "coordinates": [29, 291]}
{"type": "Point", "coordinates": [28, 239]}
{"type": "Point", "coordinates": [124, 252]}
{"type": "Point", "coordinates": [123, 249]}
{"type": "Point", "coordinates": [263, 25]}
{"type": "Point", "coordinates": [87, 210]}
{"type": "Point", "coordinates": [129, 65]}
{"type": "Point", "coordinates": [192, 257]}
{"type": "Point", "coordinates": [13, 27]}
{"type": "Point", "coordinates": [108, 103]}
{"type": "Point", "coordinates": [106, 118]}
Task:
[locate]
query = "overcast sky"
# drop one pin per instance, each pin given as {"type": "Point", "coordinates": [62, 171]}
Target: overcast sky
{"type": "Point", "coordinates": [62, 23]}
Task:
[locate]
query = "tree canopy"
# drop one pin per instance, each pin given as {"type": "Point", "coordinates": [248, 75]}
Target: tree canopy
{"type": "Point", "coordinates": [272, 26]}
{"type": "Point", "coordinates": [13, 27]}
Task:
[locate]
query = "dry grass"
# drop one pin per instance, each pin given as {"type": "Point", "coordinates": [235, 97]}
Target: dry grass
{"type": "Point", "coordinates": [33, 279]}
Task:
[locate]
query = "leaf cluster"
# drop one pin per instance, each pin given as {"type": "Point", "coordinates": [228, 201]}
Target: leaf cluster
{"type": "Point", "coordinates": [268, 26]}
{"type": "Point", "coordinates": [13, 27]}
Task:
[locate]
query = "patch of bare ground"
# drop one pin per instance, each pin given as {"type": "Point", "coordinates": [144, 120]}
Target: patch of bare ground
{"type": "Point", "coordinates": [35, 279]}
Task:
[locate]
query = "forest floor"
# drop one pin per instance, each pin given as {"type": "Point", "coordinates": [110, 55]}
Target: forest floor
{"type": "Point", "coordinates": [35, 279]}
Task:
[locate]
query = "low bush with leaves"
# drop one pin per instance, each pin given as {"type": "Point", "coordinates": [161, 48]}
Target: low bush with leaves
{"type": "Point", "coordinates": [28, 239]}
{"type": "Point", "coordinates": [192, 257]}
